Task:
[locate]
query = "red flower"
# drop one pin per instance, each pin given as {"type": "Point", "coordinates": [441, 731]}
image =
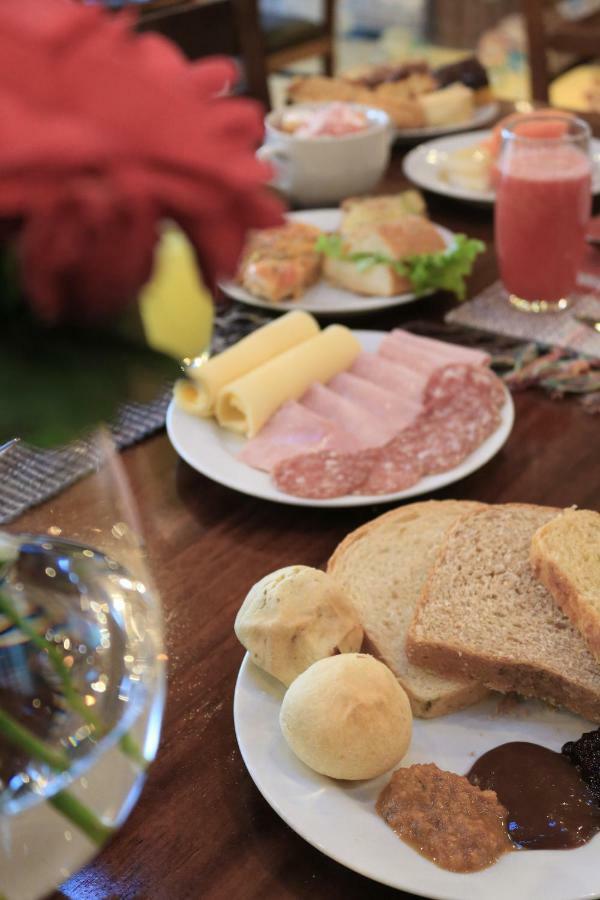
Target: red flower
{"type": "Point", "coordinates": [103, 134]}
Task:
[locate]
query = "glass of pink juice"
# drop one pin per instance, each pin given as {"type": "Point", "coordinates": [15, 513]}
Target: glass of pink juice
{"type": "Point", "coordinates": [543, 205]}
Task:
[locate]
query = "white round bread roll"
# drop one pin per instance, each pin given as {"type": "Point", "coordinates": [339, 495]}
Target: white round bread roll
{"type": "Point", "coordinates": [347, 717]}
{"type": "Point", "coordinates": [295, 616]}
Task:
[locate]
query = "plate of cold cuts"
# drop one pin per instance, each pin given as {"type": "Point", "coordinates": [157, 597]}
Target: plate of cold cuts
{"type": "Point", "coordinates": [408, 417]}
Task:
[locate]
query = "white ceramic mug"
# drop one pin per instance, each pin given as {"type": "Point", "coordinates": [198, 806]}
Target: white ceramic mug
{"type": "Point", "coordinates": [317, 171]}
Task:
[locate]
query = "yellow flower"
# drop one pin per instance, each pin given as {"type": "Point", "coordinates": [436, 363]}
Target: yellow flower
{"type": "Point", "coordinates": [175, 306]}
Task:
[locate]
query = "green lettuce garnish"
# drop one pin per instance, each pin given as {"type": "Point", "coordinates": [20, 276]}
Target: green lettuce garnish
{"type": "Point", "coordinates": [443, 271]}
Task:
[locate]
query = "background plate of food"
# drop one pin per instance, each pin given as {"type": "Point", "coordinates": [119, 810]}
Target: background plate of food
{"type": "Point", "coordinates": [419, 100]}
{"type": "Point", "coordinates": [356, 259]}
{"type": "Point", "coordinates": [461, 165]}
{"type": "Point", "coordinates": [339, 439]}
{"type": "Point", "coordinates": [480, 116]}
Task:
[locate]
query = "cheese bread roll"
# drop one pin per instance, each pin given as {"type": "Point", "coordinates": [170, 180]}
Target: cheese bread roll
{"type": "Point", "coordinates": [246, 404]}
{"type": "Point", "coordinates": [198, 395]}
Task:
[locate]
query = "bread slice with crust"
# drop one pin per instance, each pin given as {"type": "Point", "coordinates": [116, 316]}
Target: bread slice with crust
{"type": "Point", "coordinates": [382, 567]}
{"type": "Point", "coordinates": [565, 557]}
{"type": "Point", "coordinates": [482, 614]}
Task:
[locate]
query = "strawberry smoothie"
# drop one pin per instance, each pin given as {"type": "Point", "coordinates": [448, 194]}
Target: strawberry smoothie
{"type": "Point", "coordinates": [543, 205]}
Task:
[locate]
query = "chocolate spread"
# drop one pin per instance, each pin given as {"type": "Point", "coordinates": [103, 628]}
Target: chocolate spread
{"type": "Point", "coordinates": [549, 805]}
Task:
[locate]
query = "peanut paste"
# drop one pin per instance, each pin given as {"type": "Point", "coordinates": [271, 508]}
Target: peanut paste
{"type": "Point", "coordinates": [445, 818]}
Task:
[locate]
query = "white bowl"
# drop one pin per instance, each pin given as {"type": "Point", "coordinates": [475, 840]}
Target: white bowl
{"type": "Point", "coordinates": [317, 171]}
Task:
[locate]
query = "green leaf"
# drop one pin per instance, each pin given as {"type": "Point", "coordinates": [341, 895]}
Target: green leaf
{"type": "Point", "coordinates": [58, 383]}
{"type": "Point", "coordinates": [444, 271]}
{"type": "Point", "coordinates": [329, 244]}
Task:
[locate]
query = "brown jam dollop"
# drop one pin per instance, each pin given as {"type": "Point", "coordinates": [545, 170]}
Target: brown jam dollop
{"type": "Point", "coordinates": [454, 824]}
{"type": "Point", "coordinates": [549, 805]}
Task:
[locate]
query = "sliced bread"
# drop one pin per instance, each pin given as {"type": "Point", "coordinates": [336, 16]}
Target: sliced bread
{"type": "Point", "coordinates": [382, 566]}
{"type": "Point", "coordinates": [565, 557]}
{"type": "Point", "coordinates": [482, 614]}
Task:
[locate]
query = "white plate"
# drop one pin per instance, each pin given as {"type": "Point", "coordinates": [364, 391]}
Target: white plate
{"type": "Point", "coordinates": [340, 820]}
{"type": "Point", "coordinates": [482, 115]}
{"type": "Point", "coordinates": [324, 298]}
{"type": "Point", "coordinates": [212, 451]}
{"type": "Point", "coordinates": [422, 166]}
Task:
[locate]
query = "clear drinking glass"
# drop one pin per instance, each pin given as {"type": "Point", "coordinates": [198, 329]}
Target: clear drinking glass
{"type": "Point", "coordinates": [543, 205]}
{"type": "Point", "coordinates": [81, 675]}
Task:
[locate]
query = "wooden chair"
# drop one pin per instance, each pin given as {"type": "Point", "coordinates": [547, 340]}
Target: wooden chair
{"type": "Point", "coordinates": [263, 43]}
{"type": "Point", "coordinates": [547, 30]}
{"type": "Point", "coordinates": [460, 23]}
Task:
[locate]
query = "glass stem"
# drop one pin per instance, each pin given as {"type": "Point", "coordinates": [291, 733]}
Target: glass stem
{"type": "Point", "coordinates": [73, 699]}
{"type": "Point", "coordinates": [127, 743]}
{"type": "Point", "coordinates": [82, 816]}
{"type": "Point", "coordinates": [19, 736]}
{"type": "Point", "coordinates": [63, 801]}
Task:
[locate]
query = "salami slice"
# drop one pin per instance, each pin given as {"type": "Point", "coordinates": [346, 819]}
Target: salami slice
{"type": "Point", "coordinates": [395, 469]}
{"type": "Point", "coordinates": [451, 383]}
{"type": "Point", "coordinates": [324, 474]}
{"type": "Point", "coordinates": [434, 444]}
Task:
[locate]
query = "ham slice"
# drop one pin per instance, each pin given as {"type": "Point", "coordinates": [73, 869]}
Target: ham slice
{"type": "Point", "coordinates": [404, 382]}
{"type": "Point", "coordinates": [383, 403]}
{"type": "Point", "coordinates": [294, 429]}
{"type": "Point", "coordinates": [412, 358]}
{"type": "Point", "coordinates": [442, 351]}
{"type": "Point", "coordinates": [369, 430]}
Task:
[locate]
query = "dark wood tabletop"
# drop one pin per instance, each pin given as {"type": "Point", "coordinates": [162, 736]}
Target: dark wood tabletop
{"type": "Point", "coordinates": [201, 829]}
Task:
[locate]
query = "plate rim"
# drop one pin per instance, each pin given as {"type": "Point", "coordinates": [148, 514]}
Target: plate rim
{"type": "Point", "coordinates": [479, 198]}
{"type": "Point", "coordinates": [357, 304]}
{"type": "Point", "coordinates": [432, 482]}
{"type": "Point", "coordinates": [487, 112]}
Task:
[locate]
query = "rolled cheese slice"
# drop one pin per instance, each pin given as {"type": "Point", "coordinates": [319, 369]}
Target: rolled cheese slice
{"type": "Point", "coordinates": [211, 376]}
{"type": "Point", "coordinates": [189, 397]}
{"type": "Point", "coordinates": [246, 404]}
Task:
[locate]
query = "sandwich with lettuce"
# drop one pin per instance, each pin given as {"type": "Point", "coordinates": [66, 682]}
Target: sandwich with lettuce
{"type": "Point", "coordinates": [409, 255]}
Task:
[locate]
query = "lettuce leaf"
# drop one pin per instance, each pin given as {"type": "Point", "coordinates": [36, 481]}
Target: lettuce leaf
{"type": "Point", "coordinates": [443, 271]}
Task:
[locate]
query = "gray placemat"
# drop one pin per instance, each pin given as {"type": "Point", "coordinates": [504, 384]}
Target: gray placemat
{"type": "Point", "coordinates": [29, 476]}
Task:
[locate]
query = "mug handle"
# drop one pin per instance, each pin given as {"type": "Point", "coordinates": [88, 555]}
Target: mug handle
{"type": "Point", "coordinates": [281, 164]}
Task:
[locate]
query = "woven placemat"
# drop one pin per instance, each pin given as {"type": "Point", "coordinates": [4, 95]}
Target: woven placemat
{"type": "Point", "coordinates": [29, 476]}
{"type": "Point", "coordinates": [491, 311]}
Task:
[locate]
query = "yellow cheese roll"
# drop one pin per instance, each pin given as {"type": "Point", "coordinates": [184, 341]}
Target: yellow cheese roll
{"type": "Point", "coordinates": [246, 404]}
{"type": "Point", "coordinates": [189, 397]}
{"type": "Point", "coordinates": [252, 351]}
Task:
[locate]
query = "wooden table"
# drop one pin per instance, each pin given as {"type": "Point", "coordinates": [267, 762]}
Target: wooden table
{"type": "Point", "coordinates": [201, 829]}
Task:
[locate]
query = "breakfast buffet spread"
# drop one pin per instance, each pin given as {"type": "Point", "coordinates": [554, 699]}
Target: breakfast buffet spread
{"type": "Point", "coordinates": [437, 611]}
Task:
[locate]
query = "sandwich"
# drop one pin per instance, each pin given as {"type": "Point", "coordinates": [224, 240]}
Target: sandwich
{"type": "Point", "coordinates": [380, 210]}
{"type": "Point", "coordinates": [390, 258]}
{"type": "Point", "coordinates": [280, 263]}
